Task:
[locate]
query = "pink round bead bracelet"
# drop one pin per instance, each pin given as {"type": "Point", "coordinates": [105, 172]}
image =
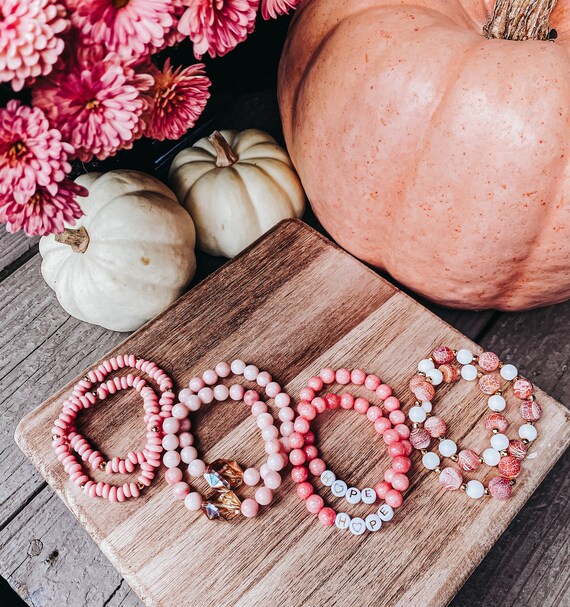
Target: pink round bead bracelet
{"type": "Point", "coordinates": [223, 476]}
{"type": "Point", "coordinates": [74, 451]}
{"type": "Point", "coordinates": [446, 366]}
{"type": "Point", "coordinates": [305, 456]}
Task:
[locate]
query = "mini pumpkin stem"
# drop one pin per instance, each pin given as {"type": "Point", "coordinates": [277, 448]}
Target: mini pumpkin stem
{"type": "Point", "coordinates": [78, 239]}
{"type": "Point", "coordinates": [520, 20]}
{"type": "Point", "coordinates": [225, 156]}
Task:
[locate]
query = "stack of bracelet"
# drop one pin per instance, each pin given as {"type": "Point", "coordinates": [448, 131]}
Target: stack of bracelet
{"type": "Point", "coordinates": [69, 443]}
{"type": "Point", "coordinates": [447, 365]}
{"type": "Point", "coordinates": [305, 456]}
{"type": "Point", "coordinates": [223, 476]}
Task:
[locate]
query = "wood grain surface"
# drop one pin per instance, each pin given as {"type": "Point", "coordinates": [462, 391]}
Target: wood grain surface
{"type": "Point", "coordinates": [291, 305]}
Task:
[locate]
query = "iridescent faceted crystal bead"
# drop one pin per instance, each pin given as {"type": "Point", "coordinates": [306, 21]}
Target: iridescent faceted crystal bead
{"type": "Point", "coordinates": [223, 504]}
{"type": "Point", "coordinates": [224, 474]}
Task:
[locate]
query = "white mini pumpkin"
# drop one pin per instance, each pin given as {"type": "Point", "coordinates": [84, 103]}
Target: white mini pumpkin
{"type": "Point", "coordinates": [128, 258]}
{"type": "Point", "coordinates": [236, 186]}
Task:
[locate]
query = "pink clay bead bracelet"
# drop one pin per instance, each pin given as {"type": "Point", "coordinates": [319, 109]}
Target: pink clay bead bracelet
{"type": "Point", "coordinates": [179, 443]}
{"type": "Point", "coordinates": [305, 456]}
{"type": "Point", "coordinates": [73, 449]}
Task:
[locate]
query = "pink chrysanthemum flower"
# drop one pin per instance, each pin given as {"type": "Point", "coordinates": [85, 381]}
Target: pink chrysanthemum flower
{"type": "Point", "coordinates": [173, 36]}
{"type": "Point", "coordinates": [270, 9]}
{"type": "Point", "coordinates": [179, 98]}
{"type": "Point", "coordinates": [218, 26]}
{"type": "Point", "coordinates": [44, 212]}
{"type": "Point", "coordinates": [31, 153]}
{"type": "Point", "coordinates": [96, 101]}
{"type": "Point", "coordinates": [30, 39]}
{"type": "Point", "coordinates": [131, 28]}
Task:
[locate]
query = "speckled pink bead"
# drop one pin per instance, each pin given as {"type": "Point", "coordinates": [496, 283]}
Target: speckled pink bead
{"type": "Point", "coordinates": [450, 373]}
{"type": "Point", "coordinates": [435, 426]}
{"type": "Point", "coordinates": [357, 377]}
{"type": "Point", "coordinates": [500, 488]}
{"type": "Point", "coordinates": [250, 397]}
{"type": "Point", "coordinates": [523, 388]}
{"type": "Point", "coordinates": [383, 391]}
{"type": "Point", "coordinates": [442, 355]}
{"type": "Point", "coordinates": [327, 375]}
{"type": "Point", "coordinates": [451, 479]}
{"type": "Point", "coordinates": [249, 508]}
{"type": "Point", "coordinates": [496, 421]}
{"type": "Point", "coordinates": [530, 411]}
{"type": "Point", "coordinates": [489, 361]}
{"type": "Point", "coordinates": [342, 376]}
{"type": "Point", "coordinates": [509, 466]}
{"type": "Point", "coordinates": [489, 384]}
{"type": "Point", "coordinates": [424, 391]}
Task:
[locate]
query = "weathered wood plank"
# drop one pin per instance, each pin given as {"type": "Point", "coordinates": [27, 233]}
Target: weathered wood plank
{"type": "Point", "coordinates": [13, 246]}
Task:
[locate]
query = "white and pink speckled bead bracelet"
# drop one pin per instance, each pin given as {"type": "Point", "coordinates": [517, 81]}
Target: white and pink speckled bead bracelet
{"type": "Point", "coordinates": [69, 443]}
{"type": "Point", "coordinates": [178, 442]}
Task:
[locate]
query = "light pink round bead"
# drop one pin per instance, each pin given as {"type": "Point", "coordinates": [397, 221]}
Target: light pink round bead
{"type": "Point", "coordinates": [206, 395]}
{"type": "Point", "coordinates": [342, 376]}
{"type": "Point", "coordinates": [180, 411]}
{"type": "Point", "coordinates": [264, 470]}
{"type": "Point", "coordinates": [173, 476]}
{"type": "Point", "coordinates": [372, 382]}
{"type": "Point", "coordinates": [196, 468]}
{"type": "Point", "coordinates": [317, 466]}
{"type": "Point", "coordinates": [286, 414]}
{"type": "Point", "coordinates": [374, 413]}
{"type": "Point", "coordinates": [237, 366]}
{"type": "Point", "coordinates": [221, 392]}
{"type": "Point", "coordinates": [196, 384]}
{"type": "Point", "coordinates": [272, 479]}
{"type": "Point", "coordinates": [264, 496]}
{"type": "Point", "coordinates": [315, 383]}
{"type": "Point", "coordinates": [251, 476]}
{"type": "Point", "coordinates": [210, 377]}
{"type": "Point", "coordinates": [287, 428]}
{"type": "Point", "coordinates": [171, 459]}
{"type": "Point", "coordinates": [263, 379]}
{"type": "Point", "coordinates": [357, 377]}
{"type": "Point", "coordinates": [188, 454]}
{"type": "Point", "coordinates": [223, 369]}
{"type": "Point", "coordinates": [236, 392]}
{"type": "Point", "coordinates": [249, 508]}
{"type": "Point", "coordinates": [251, 372]}
{"type": "Point", "coordinates": [282, 400]}
{"type": "Point", "coordinates": [327, 375]}
{"type": "Point", "coordinates": [184, 395]}
{"type": "Point", "coordinates": [258, 408]}
{"type": "Point", "coordinates": [250, 397]}
{"type": "Point", "coordinates": [171, 425]}
{"type": "Point", "coordinates": [276, 461]}
{"type": "Point", "coordinates": [314, 503]}
{"type": "Point", "coordinates": [272, 389]}
{"type": "Point", "coordinates": [272, 445]}
{"type": "Point", "coordinates": [264, 420]}
{"type": "Point", "coordinates": [193, 501]}
{"type": "Point", "coordinates": [194, 403]}
{"type": "Point", "coordinates": [185, 424]}
{"type": "Point", "coordinates": [170, 442]}
{"type": "Point", "coordinates": [181, 490]}
{"type": "Point", "coordinates": [269, 433]}
{"type": "Point", "coordinates": [361, 405]}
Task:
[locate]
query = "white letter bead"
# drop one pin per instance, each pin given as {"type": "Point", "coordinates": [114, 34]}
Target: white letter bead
{"type": "Point", "coordinates": [430, 460]}
{"type": "Point", "coordinates": [353, 495]}
{"type": "Point", "coordinates": [508, 372]}
{"type": "Point", "coordinates": [436, 376]}
{"type": "Point", "coordinates": [338, 488]}
{"type": "Point", "coordinates": [417, 415]}
{"type": "Point", "coordinates": [427, 406]}
{"type": "Point", "coordinates": [500, 442]}
{"type": "Point", "coordinates": [357, 526]}
{"type": "Point", "coordinates": [373, 522]}
{"type": "Point", "coordinates": [328, 477]}
{"type": "Point", "coordinates": [475, 489]}
{"type": "Point", "coordinates": [491, 457]}
{"type": "Point", "coordinates": [425, 365]}
{"type": "Point", "coordinates": [368, 495]}
{"type": "Point", "coordinates": [464, 357]}
{"type": "Point", "coordinates": [469, 372]}
{"type": "Point", "coordinates": [447, 448]}
{"type": "Point", "coordinates": [386, 513]}
{"type": "Point", "coordinates": [528, 431]}
{"type": "Point", "coordinates": [497, 402]}
{"type": "Point", "coordinates": [342, 520]}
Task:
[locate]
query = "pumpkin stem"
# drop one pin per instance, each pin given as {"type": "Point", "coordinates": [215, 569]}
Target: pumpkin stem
{"type": "Point", "coordinates": [78, 239]}
{"type": "Point", "coordinates": [225, 156]}
{"type": "Point", "coordinates": [520, 20]}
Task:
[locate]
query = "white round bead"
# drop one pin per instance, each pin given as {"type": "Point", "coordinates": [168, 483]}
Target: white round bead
{"type": "Point", "coordinates": [342, 520]}
{"type": "Point", "coordinates": [386, 513]}
{"type": "Point", "coordinates": [338, 488]}
{"type": "Point", "coordinates": [475, 489]}
{"type": "Point", "coordinates": [469, 372]}
{"type": "Point", "coordinates": [528, 431]}
{"type": "Point", "coordinates": [436, 376]}
{"type": "Point", "coordinates": [497, 402]}
{"type": "Point", "coordinates": [373, 522]}
{"type": "Point", "coordinates": [447, 448]}
{"type": "Point", "coordinates": [357, 526]}
{"type": "Point", "coordinates": [368, 495]}
{"type": "Point", "coordinates": [464, 356]}
{"type": "Point", "coordinates": [500, 442]}
{"type": "Point", "coordinates": [417, 415]}
{"type": "Point", "coordinates": [508, 372]}
{"type": "Point", "coordinates": [425, 365]}
{"type": "Point", "coordinates": [328, 477]}
{"type": "Point", "coordinates": [427, 406]}
{"type": "Point", "coordinates": [430, 460]}
{"type": "Point", "coordinates": [491, 457]}
{"type": "Point", "coordinates": [352, 495]}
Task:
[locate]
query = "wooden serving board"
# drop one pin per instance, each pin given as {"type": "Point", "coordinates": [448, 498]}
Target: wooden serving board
{"type": "Point", "coordinates": [292, 304]}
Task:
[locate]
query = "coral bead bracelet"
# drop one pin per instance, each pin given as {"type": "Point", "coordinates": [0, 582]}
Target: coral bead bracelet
{"type": "Point", "coordinates": [223, 476]}
{"type": "Point", "coordinates": [73, 449]}
{"type": "Point", "coordinates": [446, 366]}
{"type": "Point", "coordinates": [305, 458]}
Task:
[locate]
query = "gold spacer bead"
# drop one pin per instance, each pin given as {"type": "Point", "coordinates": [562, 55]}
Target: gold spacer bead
{"type": "Point", "coordinates": [103, 466]}
{"type": "Point", "coordinates": [481, 460]}
{"type": "Point", "coordinates": [55, 436]}
{"type": "Point", "coordinates": [500, 365]}
{"type": "Point", "coordinates": [82, 486]}
{"type": "Point", "coordinates": [428, 414]}
{"type": "Point", "coordinates": [421, 373]}
{"type": "Point", "coordinates": [475, 359]}
{"type": "Point", "coordinates": [530, 423]}
{"type": "Point", "coordinates": [441, 438]}
{"type": "Point", "coordinates": [454, 352]}
{"type": "Point", "coordinates": [454, 458]}
{"type": "Point", "coordinates": [155, 429]}
{"type": "Point", "coordinates": [512, 481]}
{"type": "Point", "coordinates": [418, 403]}
{"type": "Point", "coordinates": [437, 470]}
{"type": "Point", "coordinates": [423, 451]}
{"type": "Point", "coordinates": [532, 398]}
{"type": "Point", "coordinates": [416, 425]}
{"type": "Point", "coordinates": [525, 441]}
{"type": "Point", "coordinates": [499, 392]}
{"type": "Point", "coordinates": [504, 453]}
{"type": "Point", "coordinates": [169, 390]}
{"type": "Point", "coordinates": [463, 487]}
{"type": "Point", "coordinates": [479, 374]}
{"type": "Point", "coordinates": [85, 378]}
{"type": "Point", "coordinates": [487, 492]}
{"type": "Point", "coordinates": [495, 431]}
{"type": "Point", "coordinates": [94, 392]}
{"type": "Point", "coordinates": [141, 486]}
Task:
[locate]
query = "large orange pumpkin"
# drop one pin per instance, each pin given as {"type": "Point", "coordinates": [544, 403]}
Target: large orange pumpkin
{"type": "Point", "coordinates": [433, 151]}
